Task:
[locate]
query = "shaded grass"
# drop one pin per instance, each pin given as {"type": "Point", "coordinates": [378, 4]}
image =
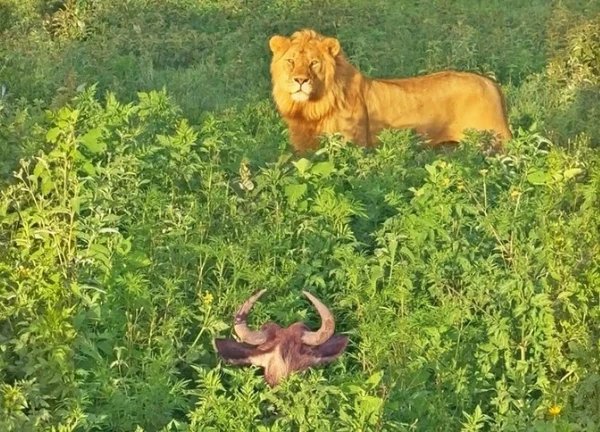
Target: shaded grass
{"type": "Point", "coordinates": [214, 55]}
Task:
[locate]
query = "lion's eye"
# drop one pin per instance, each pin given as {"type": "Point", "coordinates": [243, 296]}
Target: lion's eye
{"type": "Point", "coordinates": [314, 63]}
{"type": "Point", "coordinates": [290, 61]}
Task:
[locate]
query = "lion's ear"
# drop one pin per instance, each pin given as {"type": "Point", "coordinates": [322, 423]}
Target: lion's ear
{"type": "Point", "coordinates": [278, 43]}
{"type": "Point", "coordinates": [332, 45]}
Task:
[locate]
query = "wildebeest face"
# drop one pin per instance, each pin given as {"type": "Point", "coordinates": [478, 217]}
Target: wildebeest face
{"type": "Point", "coordinates": [281, 351]}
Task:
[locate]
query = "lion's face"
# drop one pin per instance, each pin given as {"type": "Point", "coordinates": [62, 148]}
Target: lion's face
{"type": "Point", "coordinates": [303, 65]}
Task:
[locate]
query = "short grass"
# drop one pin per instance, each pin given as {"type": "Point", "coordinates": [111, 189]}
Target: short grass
{"type": "Point", "coordinates": [469, 285]}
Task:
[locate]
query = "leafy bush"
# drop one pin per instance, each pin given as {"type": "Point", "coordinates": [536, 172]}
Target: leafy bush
{"type": "Point", "coordinates": [134, 221]}
{"type": "Point", "coordinates": [561, 97]}
{"type": "Point", "coordinates": [468, 285]}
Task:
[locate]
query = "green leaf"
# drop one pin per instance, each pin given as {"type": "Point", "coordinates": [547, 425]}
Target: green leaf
{"type": "Point", "coordinates": [407, 253]}
{"type": "Point", "coordinates": [90, 140]}
{"type": "Point", "coordinates": [570, 173]}
{"type": "Point", "coordinates": [124, 246]}
{"type": "Point", "coordinates": [295, 191]}
{"type": "Point", "coordinates": [431, 169]}
{"type": "Point", "coordinates": [75, 289]}
{"type": "Point", "coordinates": [371, 406]}
{"type": "Point", "coordinates": [40, 168]}
{"type": "Point", "coordinates": [302, 206]}
{"type": "Point", "coordinates": [139, 259]}
{"type": "Point", "coordinates": [354, 389]}
{"type": "Point", "coordinates": [47, 185]}
{"type": "Point", "coordinates": [323, 168]}
{"type": "Point", "coordinates": [88, 168]}
{"type": "Point", "coordinates": [284, 158]}
{"type": "Point", "coordinates": [52, 135]}
{"type": "Point", "coordinates": [537, 177]}
{"type": "Point", "coordinates": [302, 165]}
{"type": "Point", "coordinates": [101, 253]}
{"type": "Point", "coordinates": [376, 274]}
{"type": "Point", "coordinates": [374, 379]}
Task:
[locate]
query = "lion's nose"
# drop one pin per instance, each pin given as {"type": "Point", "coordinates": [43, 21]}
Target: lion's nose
{"type": "Point", "coordinates": [301, 79]}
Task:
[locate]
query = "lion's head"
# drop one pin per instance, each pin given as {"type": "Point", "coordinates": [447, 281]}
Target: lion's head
{"type": "Point", "coordinates": [303, 66]}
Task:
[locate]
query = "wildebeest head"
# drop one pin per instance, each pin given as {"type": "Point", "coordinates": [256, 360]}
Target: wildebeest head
{"type": "Point", "coordinates": [281, 351]}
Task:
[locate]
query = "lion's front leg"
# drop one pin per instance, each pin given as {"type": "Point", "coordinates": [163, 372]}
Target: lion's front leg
{"type": "Point", "coordinates": [361, 135]}
{"type": "Point", "coordinates": [302, 139]}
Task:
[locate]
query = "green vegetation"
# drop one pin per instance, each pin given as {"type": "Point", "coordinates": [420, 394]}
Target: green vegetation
{"type": "Point", "coordinates": [469, 285]}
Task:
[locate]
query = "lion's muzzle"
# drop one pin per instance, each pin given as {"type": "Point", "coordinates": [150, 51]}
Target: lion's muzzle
{"type": "Point", "coordinates": [301, 88]}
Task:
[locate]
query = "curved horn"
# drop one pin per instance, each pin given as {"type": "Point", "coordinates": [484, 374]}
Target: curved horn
{"type": "Point", "coordinates": [241, 328]}
{"type": "Point", "coordinates": [327, 323]}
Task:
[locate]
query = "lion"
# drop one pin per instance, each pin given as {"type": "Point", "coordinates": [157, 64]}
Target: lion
{"type": "Point", "coordinates": [317, 92]}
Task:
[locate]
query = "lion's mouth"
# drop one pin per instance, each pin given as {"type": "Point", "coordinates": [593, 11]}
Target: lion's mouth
{"type": "Point", "coordinates": [301, 92]}
{"type": "Point", "coordinates": [300, 96]}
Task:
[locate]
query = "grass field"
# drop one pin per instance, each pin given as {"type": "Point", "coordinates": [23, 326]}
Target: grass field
{"type": "Point", "coordinates": [469, 285]}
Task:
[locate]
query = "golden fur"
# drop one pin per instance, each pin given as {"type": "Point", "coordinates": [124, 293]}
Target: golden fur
{"type": "Point", "coordinates": [317, 91]}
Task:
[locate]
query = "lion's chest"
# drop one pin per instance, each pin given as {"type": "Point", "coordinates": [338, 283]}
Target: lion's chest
{"type": "Point", "coordinates": [348, 124]}
{"type": "Point", "coordinates": [306, 128]}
